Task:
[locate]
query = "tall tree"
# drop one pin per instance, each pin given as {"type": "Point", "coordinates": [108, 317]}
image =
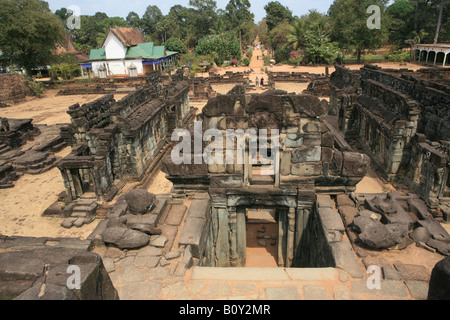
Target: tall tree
{"type": "Point", "coordinates": [29, 32]}
{"type": "Point", "coordinates": [349, 26]}
{"type": "Point", "coordinates": [238, 13]}
{"type": "Point", "coordinates": [276, 13]}
{"type": "Point", "coordinates": [401, 17]}
{"type": "Point", "coordinates": [438, 28]}
{"type": "Point", "coordinates": [204, 18]}
{"type": "Point", "coordinates": [150, 19]}
{"type": "Point", "coordinates": [133, 19]}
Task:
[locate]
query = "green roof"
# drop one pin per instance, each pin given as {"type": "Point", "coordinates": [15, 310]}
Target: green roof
{"type": "Point", "coordinates": [97, 54]}
{"type": "Point", "coordinates": [148, 51]}
{"type": "Point", "coordinates": [142, 50]}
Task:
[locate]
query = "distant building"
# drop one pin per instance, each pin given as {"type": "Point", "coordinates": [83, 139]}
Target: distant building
{"type": "Point", "coordinates": [66, 46]}
{"type": "Point", "coordinates": [125, 53]}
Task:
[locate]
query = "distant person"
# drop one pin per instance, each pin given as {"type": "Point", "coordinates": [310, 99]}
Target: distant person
{"type": "Point", "coordinates": [257, 81]}
{"type": "Point", "coordinates": [262, 82]}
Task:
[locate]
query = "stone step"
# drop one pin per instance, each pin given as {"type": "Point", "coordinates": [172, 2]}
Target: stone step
{"type": "Point", "coordinates": [262, 180]}
{"type": "Point", "coordinates": [89, 195]}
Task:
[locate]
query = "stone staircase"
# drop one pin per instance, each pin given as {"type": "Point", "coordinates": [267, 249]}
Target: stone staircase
{"type": "Point", "coordinates": [82, 211]}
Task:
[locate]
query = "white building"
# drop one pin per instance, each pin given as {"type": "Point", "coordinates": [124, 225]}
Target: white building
{"type": "Point", "coordinates": [125, 53]}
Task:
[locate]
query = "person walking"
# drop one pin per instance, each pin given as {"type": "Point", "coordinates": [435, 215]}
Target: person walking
{"type": "Point", "coordinates": [257, 81]}
{"type": "Point", "coordinates": [262, 82]}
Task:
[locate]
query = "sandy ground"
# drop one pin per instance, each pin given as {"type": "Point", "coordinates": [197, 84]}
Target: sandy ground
{"type": "Point", "coordinates": [50, 109]}
{"type": "Point", "coordinates": [22, 207]}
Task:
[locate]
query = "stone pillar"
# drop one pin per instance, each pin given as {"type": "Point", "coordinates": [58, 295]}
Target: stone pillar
{"type": "Point", "coordinates": [290, 238]}
{"type": "Point", "coordinates": [435, 58]}
{"type": "Point", "coordinates": [241, 241]}
{"type": "Point", "coordinates": [232, 219]}
{"type": "Point", "coordinates": [445, 58]}
{"type": "Point", "coordinates": [281, 238]}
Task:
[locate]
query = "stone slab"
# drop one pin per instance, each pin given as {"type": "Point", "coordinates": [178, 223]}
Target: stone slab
{"type": "Point", "coordinates": [282, 293]}
{"type": "Point", "coordinates": [176, 215]}
{"type": "Point", "coordinates": [312, 274]}
{"type": "Point", "coordinates": [250, 274]}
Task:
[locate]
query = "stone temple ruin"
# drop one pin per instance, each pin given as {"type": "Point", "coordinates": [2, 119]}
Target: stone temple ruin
{"type": "Point", "coordinates": [395, 121]}
{"type": "Point", "coordinates": [117, 142]}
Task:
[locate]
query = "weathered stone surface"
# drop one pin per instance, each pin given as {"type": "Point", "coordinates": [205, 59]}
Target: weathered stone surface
{"type": "Point", "coordinates": [420, 234]}
{"type": "Point", "coordinates": [419, 208]}
{"type": "Point", "coordinates": [344, 200]}
{"type": "Point", "coordinates": [21, 275]}
{"type": "Point", "coordinates": [345, 259]}
{"type": "Point", "coordinates": [348, 214]}
{"type": "Point", "coordinates": [145, 228]}
{"type": "Point", "coordinates": [435, 229]}
{"type": "Point", "coordinates": [379, 236]}
{"type": "Point", "coordinates": [440, 281]}
{"type": "Point", "coordinates": [417, 289]}
{"type": "Point", "coordinates": [125, 238]}
{"type": "Point", "coordinates": [158, 241]}
{"type": "Point", "coordinates": [355, 164]}
{"type": "Point", "coordinates": [391, 211]}
{"type": "Point", "coordinates": [139, 201]}
{"type": "Point", "coordinates": [362, 223]}
{"type": "Point", "coordinates": [306, 154]}
{"type": "Point", "coordinates": [412, 271]}
{"type": "Point", "coordinates": [120, 208]}
{"type": "Point", "coordinates": [176, 215]}
{"type": "Point", "coordinates": [391, 274]}
{"type": "Point", "coordinates": [282, 293]}
{"type": "Point", "coordinates": [440, 246]}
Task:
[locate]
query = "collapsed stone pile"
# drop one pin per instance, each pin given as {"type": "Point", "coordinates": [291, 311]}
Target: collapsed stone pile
{"type": "Point", "coordinates": [13, 88]}
{"type": "Point", "coordinates": [393, 222]}
{"type": "Point", "coordinates": [132, 222]}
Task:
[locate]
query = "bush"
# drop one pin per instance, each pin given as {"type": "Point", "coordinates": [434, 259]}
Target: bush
{"type": "Point", "coordinates": [37, 88]}
{"type": "Point", "coordinates": [65, 71]}
{"type": "Point", "coordinates": [296, 57]}
{"type": "Point", "coordinates": [246, 62]}
{"type": "Point", "coordinates": [234, 62]}
{"type": "Point", "coordinates": [398, 56]}
{"type": "Point", "coordinates": [282, 55]}
{"type": "Point", "coordinates": [174, 44]}
{"type": "Point", "coordinates": [266, 60]}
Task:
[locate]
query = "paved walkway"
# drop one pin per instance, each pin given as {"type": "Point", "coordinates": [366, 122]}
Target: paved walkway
{"type": "Point", "coordinates": [135, 281]}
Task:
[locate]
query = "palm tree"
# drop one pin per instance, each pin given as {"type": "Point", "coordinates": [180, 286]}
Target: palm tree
{"type": "Point", "coordinates": [296, 36]}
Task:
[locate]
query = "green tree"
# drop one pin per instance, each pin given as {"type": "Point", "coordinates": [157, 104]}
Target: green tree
{"type": "Point", "coordinates": [276, 13]}
{"type": "Point", "coordinates": [175, 44]}
{"type": "Point", "coordinates": [29, 32]}
{"type": "Point", "coordinates": [349, 26]}
{"type": "Point", "coordinates": [238, 13]}
{"type": "Point", "coordinates": [401, 16]}
{"type": "Point", "coordinates": [296, 35]}
{"type": "Point", "coordinates": [221, 50]}
{"type": "Point", "coordinates": [203, 18]}
{"type": "Point", "coordinates": [278, 36]}
{"type": "Point", "coordinates": [133, 19]}
{"type": "Point", "coordinates": [150, 19]}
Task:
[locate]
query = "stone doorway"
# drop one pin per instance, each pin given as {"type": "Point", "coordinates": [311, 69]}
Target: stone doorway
{"type": "Point", "coordinates": [262, 238]}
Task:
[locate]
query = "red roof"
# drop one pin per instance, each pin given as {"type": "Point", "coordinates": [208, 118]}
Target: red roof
{"type": "Point", "coordinates": [128, 36]}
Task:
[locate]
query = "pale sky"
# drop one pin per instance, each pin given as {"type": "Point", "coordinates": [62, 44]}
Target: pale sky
{"type": "Point", "coordinates": [121, 8]}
